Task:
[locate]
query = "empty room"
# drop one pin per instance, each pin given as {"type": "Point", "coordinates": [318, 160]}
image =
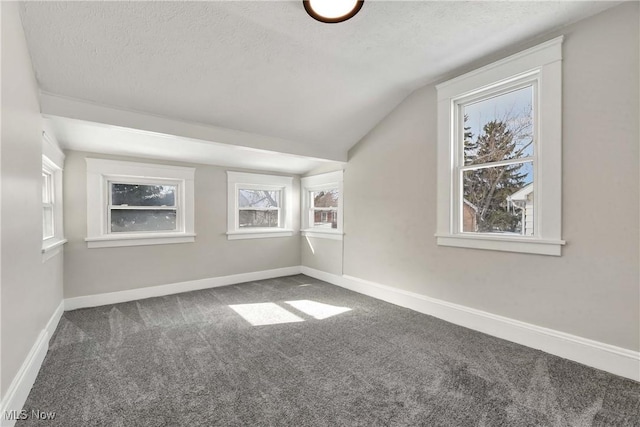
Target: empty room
{"type": "Point", "coordinates": [320, 213]}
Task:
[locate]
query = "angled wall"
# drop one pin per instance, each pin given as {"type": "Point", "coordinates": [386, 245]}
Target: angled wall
{"type": "Point", "coordinates": [593, 290]}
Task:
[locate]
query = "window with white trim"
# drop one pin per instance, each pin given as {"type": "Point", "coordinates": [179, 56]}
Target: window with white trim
{"type": "Point", "coordinates": [259, 206]}
{"type": "Point", "coordinates": [499, 155]}
{"type": "Point", "coordinates": [132, 204]}
{"type": "Point", "coordinates": [52, 233]}
{"type": "Point", "coordinates": [322, 205]}
{"type": "Point", "coordinates": [52, 209]}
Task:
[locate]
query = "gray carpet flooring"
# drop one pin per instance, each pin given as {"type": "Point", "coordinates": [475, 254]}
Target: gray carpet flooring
{"type": "Point", "coordinates": [296, 351]}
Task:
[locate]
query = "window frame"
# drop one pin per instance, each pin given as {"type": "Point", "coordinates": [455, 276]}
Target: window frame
{"type": "Point", "coordinates": [325, 181]}
{"type": "Point", "coordinates": [540, 66]}
{"type": "Point", "coordinates": [253, 181]}
{"type": "Point", "coordinates": [102, 173]}
{"type": "Point", "coordinates": [53, 164]}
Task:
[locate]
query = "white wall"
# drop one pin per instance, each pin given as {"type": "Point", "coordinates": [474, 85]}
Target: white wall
{"type": "Point", "coordinates": [31, 290]}
{"type": "Point", "coordinates": [321, 254]}
{"type": "Point", "coordinates": [104, 270]}
{"type": "Point", "coordinates": [592, 290]}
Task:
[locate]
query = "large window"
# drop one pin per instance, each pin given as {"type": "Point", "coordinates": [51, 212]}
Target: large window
{"type": "Point", "coordinates": [259, 206]}
{"type": "Point", "coordinates": [497, 149]}
{"type": "Point", "coordinates": [132, 204]}
{"type": "Point", "coordinates": [322, 205]}
{"type": "Point", "coordinates": [52, 221]}
{"type": "Point", "coordinates": [499, 155]}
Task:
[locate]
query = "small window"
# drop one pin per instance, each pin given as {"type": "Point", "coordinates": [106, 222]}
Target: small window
{"type": "Point", "coordinates": [132, 204]}
{"type": "Point", "coordinates": [259, 206]}
{"type": "Point", "coordinates": [322, 205]}
{"type": "Point", "coordinates": [499, 155]}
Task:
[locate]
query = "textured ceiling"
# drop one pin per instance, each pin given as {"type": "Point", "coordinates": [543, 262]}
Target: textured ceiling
{"type": "Point", "coordinates": [266, 67]}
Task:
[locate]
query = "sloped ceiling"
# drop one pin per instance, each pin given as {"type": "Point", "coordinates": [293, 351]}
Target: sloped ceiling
{"type": "Point", "coordinates": [266, 67]}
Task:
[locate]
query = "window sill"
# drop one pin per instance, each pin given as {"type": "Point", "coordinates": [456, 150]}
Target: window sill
{"type": "Point", "coordinates": [505, 244]}
{"type": "Point", "coordinates": [259, 234]}
{"type": "Point", "coordinates": [111, 241]}
{"type": "Point", "coordinates": [323, 233]}
{"type": "Point", "coordinates": [52, 248]}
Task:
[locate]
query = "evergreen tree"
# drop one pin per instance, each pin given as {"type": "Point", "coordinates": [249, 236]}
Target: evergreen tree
{"type": "Point", "coordinates": [143, 195]}
{"type": "Point", "coordinates": [488, 188]}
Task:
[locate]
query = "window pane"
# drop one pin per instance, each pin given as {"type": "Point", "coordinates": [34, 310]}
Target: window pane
{"type": "Point", "coordinates": [499, 200]}
{"type": "Point", "coordinates": [143, 195]}
{"type": "Point", "coordinates": [325, 198]}
{"type": "Point", "coordinates": [499, 128]}
{"type": "Point", "coordinates": [325, 219]}
{"type": "Point", "coordinates": [126, 221]}
{"type": "Point", "coordinates": [258, 218]}
{"type": "Point", "coordinates": [46, 187]}
{"type": "Point", "coordinates": [258, 198]}
{"type": "Point", "coordinates": [47, 222]}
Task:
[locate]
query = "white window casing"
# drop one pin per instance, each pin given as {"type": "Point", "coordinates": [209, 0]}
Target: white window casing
{"type": "Point", "coordinates": [540, 66]}
{"type": "Point", "coordinates": [102, 173]}
{"type": "Point", "coordinates": [52, 167]}
{"type": "Point", "coordinates": [309, 184]}
{"type": "Point", "coordinates": [237, 181]}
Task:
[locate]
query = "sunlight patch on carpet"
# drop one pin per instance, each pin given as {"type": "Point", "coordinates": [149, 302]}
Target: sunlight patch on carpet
{"type": "Point", "coordinates": [266, 313]}
{"type": "Point", "coordinates": [316, 309]}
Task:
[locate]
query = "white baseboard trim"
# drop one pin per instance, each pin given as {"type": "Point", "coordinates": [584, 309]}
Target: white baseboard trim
{"type": "Point", "coordinates": [20, 387]}
{"type": "Point", "coordinates": [616, 360]}
{"type": "Point", "coordinates": [174, 288]}
{"type": "Point", "coordinates": [52, 324]}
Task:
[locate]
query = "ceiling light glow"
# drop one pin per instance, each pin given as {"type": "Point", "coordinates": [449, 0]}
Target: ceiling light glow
{"type": "Point", "coordinates": [332, 11]}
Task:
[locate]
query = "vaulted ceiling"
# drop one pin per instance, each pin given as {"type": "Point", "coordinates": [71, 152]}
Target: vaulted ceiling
{"type": "Point", "coordinates": [265, 67]}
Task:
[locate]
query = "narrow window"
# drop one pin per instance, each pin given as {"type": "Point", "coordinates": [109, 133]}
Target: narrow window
{"type": "Point", "coordinates": [52, 221]}
{"type": "Point", "coordinates": [322, 205]}
{"type": "Point", "coordinates": [48, 209]}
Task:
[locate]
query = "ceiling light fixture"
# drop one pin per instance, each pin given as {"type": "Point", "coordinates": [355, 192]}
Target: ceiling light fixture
{"type": "Point", "coordinates": [332, 11]}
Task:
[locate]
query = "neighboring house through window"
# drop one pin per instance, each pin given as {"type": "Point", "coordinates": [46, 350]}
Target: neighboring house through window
{"type": "Point", "coordinates": [322, 205]}
{"type": "Point", "coordinates": [259, 206]}
{"type": "Point", "coordinates": [132, 204]}
{"type": "Point", "coordinates": [499, 154]}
